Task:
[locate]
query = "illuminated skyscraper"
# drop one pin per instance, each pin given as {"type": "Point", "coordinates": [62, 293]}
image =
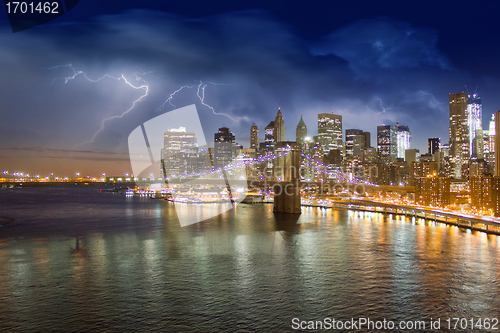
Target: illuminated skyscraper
{"type": "Point", "coordinates": [224, 141]}
{"type": "Point", "coordinates": [254, 137]}
{"type": "Point", "coordinates": [279, 127]}
{"type": "Point", "coordinates": [269, 142]}
{"type": "Point", "coordinates": [269, 133]}
{"type": "Point", "coordinates": [356, 141]}
{"type": "Point", "coordinates": [179, 153]}
{"type": "Point", "coordinates": [492, 148]}
{"type": "Point", "coordinates": [301, 131]}
{"type": "Point", "coordinates": [478, 144]}
{"type": "Point", "coordinates": [474, 122]}
{"type": "Point", "coordinates": [459, 132]}
{"type": "Point", "coordinates": [387, 144]}
{"type": "Point", "coordinates": [329, 131]}
{"type": "Point", "coordinates": [434, 145]}
{"type": "Point", "coordinates": [497, 145]}
{"type": "Point", "coordinates": [403, 140]}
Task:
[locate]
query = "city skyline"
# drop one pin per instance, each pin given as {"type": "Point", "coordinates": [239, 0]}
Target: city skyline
{"type": "Point", "coordinates": [401, 141]}
{"type": "Point", "coordinates": [64, 113]}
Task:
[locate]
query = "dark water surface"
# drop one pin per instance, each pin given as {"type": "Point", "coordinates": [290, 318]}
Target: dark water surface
{"type": "Point", "coordinates": [246, 270]}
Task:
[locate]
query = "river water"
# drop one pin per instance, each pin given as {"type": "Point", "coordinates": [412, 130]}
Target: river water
{"type": "Point", "coordinates": [76, 259]}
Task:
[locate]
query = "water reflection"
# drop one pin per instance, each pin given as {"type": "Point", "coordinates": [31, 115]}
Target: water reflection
{"type": "Point", "coordinates": [245, 269]}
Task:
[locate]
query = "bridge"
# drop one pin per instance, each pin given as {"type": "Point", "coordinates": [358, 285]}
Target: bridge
{"type": "Point", "coordinates": [283, 172]}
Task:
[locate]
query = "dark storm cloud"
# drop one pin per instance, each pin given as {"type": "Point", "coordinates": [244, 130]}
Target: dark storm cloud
{"type": "Point", "coordinates": [384, 43]}
{"type": "Point", "coordinates": [366, 71]}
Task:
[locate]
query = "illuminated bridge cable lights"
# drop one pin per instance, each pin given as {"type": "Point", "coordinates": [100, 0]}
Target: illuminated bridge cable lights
{"type": "Point", "coordinates": [337, 174]}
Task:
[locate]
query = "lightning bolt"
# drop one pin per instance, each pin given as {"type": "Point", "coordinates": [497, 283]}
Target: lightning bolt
{"type": "Point", "coordinates": [76, 73]}
{"type": "Point", "coordinates": [201, 95]}
{"type": "Point", "coordinates": [202, 87]}
{"type": "Point", "coordinates": [429, 94]}
{"type": "Point", "coordinates": [383, 108]}
{"type": "Point", "coordinates": [144, 86]}
{"type": "Point", "coordinates": [169, 99]}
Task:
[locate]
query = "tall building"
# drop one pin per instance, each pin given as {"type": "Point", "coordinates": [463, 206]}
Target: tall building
{"type": "Point", "coordinates": [497, 145]}
{"type": "Point", "coordinates": [459, 131]}
{"type": "Point", "coordinates": [478, 144]}
{"type": "Point", "coordinates": [424, 169]}
{"type": "Point", "coordinates": [223, 147]}
{"type": "Point", "coordinates": [269, 132]}
{"type": "Point", "coordinates": [412, 155]}
{"type": "Point", "coordinates": [481, 193]}
{"type": "Point", "coordinates": [279, 127]}
{"type": "Point", "coordinates": [301, 132]}
{"type": "Point", "coordinates": [254, 137]}
{"type": "Point", "coordinates": [495, 191]}
{"type": "Point", "coordinates": [387, 141]}
{"type": "Point", "coordinates": [179, 153]}
{"type": "Point", "coordinates": [356, 141]}
{"type": "Point", "coordinates": [403, 140]}
{"type": "Point", "coordinates": [492, 147]}
{"type": "Point", "coordinates": [269, 142]}
{"type": "Point", "coordinates": [368, 142]}
{"type": "Point", "coordinates": [434, 145]}
{"type": "Point", "coordinates": [330, 131]}
{"type": "Point", "coordinates": [432, 191]}
{"type": "Point", "coordinates": [474, 121]}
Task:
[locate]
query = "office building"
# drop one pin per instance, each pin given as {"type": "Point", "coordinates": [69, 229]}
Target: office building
{"type": "Point", "coordinates": [301, 132]}
{"type": "Point", "coordinates": [387, 141]}
{"type": "Point", "coordinates": [481, 194]}
{"type": "Point", "coordinates": [269, 132]}
{"type": "Point", "coordinates": [330, 131]}
{"type": "Point", "coordinates": [403, 140]}
{"type": "Point", "coordinates": [279, 127]}
{"type": "Point", "coordinates": [223, 147]}
{"type": "Point", "coordinates": [268, 145]}
{"type": "Point", "coordinates": [492, 146]}
{"type": "Point", "coordinates": [485, 194]}
{"type": "Point", "coordinates": [434, 145]}
{"type": "Point", "coordinates": [459, 132]}
{"type": "Point", "coordinates": [432, 191]}
{"type": "Point", "coordinates": [478, 144]}
{"type": "Point", "coordinates": [474, 122]}
{"type": "Point", "coordinates": [497, 144]}
{"type": "Point", "coordinates": [356, 141]}
{"type": "Point", "coordinates": [412, 155]}
{"type": "Point", "coordinates": [445, 149]}
{"type": "Point", "coordinates": [254, 137]}
{"type": "Point", "coordinates": [423, 169]}
{"type": "Point", "coordinates": [179, 153]}
{"type": "Point", "coordinates": [495, 192]}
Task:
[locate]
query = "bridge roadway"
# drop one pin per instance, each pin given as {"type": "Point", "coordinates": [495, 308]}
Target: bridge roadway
{"type": "Point", "coordinates": [473, 222]}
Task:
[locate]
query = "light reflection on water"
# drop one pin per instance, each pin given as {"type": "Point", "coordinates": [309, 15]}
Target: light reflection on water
{"type": "Point", "coordinates": [246, 269]}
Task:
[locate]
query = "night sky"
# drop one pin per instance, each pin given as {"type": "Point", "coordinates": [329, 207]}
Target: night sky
{"type": "Point", "coordinates": [363, 60]}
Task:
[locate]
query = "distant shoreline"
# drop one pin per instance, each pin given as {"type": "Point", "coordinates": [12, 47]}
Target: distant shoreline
{"type": "Point", "coordinates": [24, 184]}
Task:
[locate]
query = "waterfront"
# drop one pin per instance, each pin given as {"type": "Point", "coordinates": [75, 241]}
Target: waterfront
{"type": "Point", "coordinates": [246, 269]}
